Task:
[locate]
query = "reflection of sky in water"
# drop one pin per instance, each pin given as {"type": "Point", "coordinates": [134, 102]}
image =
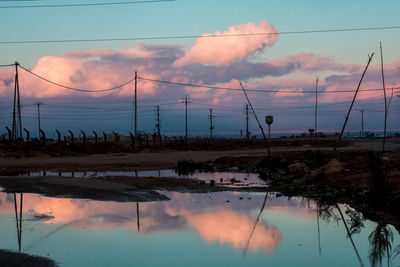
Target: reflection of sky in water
{"type": "Point", "coordinates": [189, 230]}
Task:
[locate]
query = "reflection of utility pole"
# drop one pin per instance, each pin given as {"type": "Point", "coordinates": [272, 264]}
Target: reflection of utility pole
{"type": "Point", "coordinates": [137, 216]}
{"type": "Point", "coordinates": [18, 220]}
{"type": "Point", "coordinates": [38, 114]}
{"type": "Point", "coordinates": [349, 236]}
{"type": "Point", "coordinates": [255, 224]}
{"type": "Point", "coordinates": [319, 232]}
{"type": "Point", "coordinates": [362, 123]}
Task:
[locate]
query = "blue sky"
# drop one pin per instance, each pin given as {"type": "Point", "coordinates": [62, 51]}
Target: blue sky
{"type": "Point", "coordinates": [178, 18]}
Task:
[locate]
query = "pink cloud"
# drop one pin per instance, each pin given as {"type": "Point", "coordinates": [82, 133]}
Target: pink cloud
{"type": "Point", "coordinates": [222, 51]}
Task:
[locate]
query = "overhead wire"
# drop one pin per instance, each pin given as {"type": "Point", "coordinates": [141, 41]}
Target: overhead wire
{"type": "Point", "coordinates": [78, 89]}
{"type": "Point", "coordinates": [199, 36]}
{"type": "Point", "coordinates": [255, 90]}
{"type": "Point", "coordinates": [87, 4]}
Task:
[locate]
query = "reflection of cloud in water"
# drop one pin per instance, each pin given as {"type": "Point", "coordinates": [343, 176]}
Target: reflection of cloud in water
{"type": "Point", "coordinates": [226, 226]}
{"type": "Point", "coordinates": [215, 219]}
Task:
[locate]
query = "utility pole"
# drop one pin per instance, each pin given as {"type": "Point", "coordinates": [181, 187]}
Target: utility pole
{"type": "Point", "coordinates": [211, 124]}
{"type": "Point", "coordinates": [38, 114]}
{"type": "Point", "coordinates": [17, 120]}
{"type": "Point", "coordinates": [316, 112]}
{"type": "Point", "coordinates": [362, 123]}
{"type": "Point", "coordinates": [136, 78]}
{"type": "Point", "coordinates": [247, 122]}
{"type": "Point", "coordinates": [158, 123]}
{"type": "Point", "coordinates": [186, 119]}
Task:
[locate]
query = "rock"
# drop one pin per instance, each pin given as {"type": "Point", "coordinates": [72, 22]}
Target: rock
{"type": "Point", "coordinates": [315, 173]}
{"type": "Point", "coordinates": [297, 168]}
{"type": "Point", "coordinates": [334, 166]}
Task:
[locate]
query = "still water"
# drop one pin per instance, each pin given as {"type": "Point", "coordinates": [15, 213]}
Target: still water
{"type": "Point", "coordinates": [214, 229]}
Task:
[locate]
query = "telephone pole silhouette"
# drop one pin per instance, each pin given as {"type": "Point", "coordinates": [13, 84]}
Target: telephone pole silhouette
{"type": "Point", "coordinates": [17, 121]}
{"type": "Point", "coordinates": [158, 123]}
{"type": "Point", "coordinates": [186, 101]}
{"type": "Point", "coordinates": [136, 78]}
{"type": "Point", "coordinates": [211, 124]}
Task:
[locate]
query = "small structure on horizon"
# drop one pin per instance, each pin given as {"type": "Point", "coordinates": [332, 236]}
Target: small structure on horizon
{"type": "Point", "coordinates": [269, 120]}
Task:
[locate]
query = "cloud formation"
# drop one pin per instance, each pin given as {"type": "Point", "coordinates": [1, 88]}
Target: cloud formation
{"type": "Point", "coordinates": [220, 51]}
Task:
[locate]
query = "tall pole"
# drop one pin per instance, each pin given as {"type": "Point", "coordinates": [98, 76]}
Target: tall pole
{"type": "Point", "coordinates": [186, 120]}
{"type": "Point", "coordinates": [247, 122]}
{"type": "Point", "coordinates": [384, 95]}
{"type": "Point", "coordinates": [14, 123]}
{"type": "Point", "coordinates": [354, 98]}
{"type": "Point", "coordinates": [211, 124]}
{"type": "Point", "coordinates": [316, 112]}
{"type": "Point", "coordinates": [38, 113]}
{"type": "Point", "coordinates": [136, 78]}
{"type": "Point", "coordinates": [259, 124]}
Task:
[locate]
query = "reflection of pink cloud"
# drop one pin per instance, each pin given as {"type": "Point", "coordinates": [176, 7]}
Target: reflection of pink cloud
{"type": "Point", "coordinates": [222, 51]}
{"type": "Point", "coordinates": [225, 226]}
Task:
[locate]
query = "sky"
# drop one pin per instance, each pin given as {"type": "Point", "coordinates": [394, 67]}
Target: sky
{"type": "Point", "coordinates": [279, 63]}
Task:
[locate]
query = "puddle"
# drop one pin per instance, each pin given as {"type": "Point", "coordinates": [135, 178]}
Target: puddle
{"type": "Point", "coordinates": [229, 179]}
{"type": "Point", "coordinates": [214, 229]}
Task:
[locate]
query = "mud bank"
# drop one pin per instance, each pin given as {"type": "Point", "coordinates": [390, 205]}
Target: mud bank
{"type": "Point", "coordinates": [11, 259]}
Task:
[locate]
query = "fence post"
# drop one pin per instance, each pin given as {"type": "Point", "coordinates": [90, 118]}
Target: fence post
{"type": "Point", "coordinates": [116, 137]}
{"type": "Point", "coordinates": [132, 140]}
{"type": "Point", "coordinates": [28, 135]}
{"type": "Point", "coordinates": [72, 137]}
{"type": "Point", "coordinates": [43, 137]}
{"type": "Point", "coordinates": [105, 141]}
{"type": "Point", "coordinates": [95, 139]}
{"type": "Point", "coordinates": [9, 135]}
{"type": "Point", "coordinates": [58, 136]}
{"type": "Point", "coordinates": [84, 138]}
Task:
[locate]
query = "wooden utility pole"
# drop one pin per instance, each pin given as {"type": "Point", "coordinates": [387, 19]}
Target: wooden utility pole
{"type": "Point", "coordinates": [17, 120]}
{"type": "Point", "coordinates": [384, 96]}
{"type": "Point", "coordinates": [354, 98]}
{"type": "Point", "coordinates": [255, 116]}
{"type": "Point", "coordinates": [211, 124]}
{"type": "Point", "coordinates": [247, 122]}
{"type": "Point", "coordinates": [158, 123]}
{"type": "Point", "coordinates": [186, 119]}
{"type": "Point", "coordinates": [316, 112]}
{"type": "Point", "coordinates": [136, 78]}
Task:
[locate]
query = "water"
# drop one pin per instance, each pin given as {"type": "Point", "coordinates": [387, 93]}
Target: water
{"type": "Point", "coordinates": [215, 229]}
{"type": "Point", "coordinates": [232, 179]}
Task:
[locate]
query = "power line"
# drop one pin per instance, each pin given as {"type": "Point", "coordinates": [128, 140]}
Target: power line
{"type": "Point", "coordinates": [7, 65]}
{"type": "Point", "coordinates": [198, 36]}
{"type": "Point", "coordinates": [78, 89]}
{"type": "Point", "coordinates": [256, 90]}
{"type": "Point", "coordinates": [88, 4]}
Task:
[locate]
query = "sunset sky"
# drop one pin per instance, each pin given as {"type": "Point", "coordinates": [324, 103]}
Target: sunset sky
{"type": "Point", "coordinates": [278, 62]}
